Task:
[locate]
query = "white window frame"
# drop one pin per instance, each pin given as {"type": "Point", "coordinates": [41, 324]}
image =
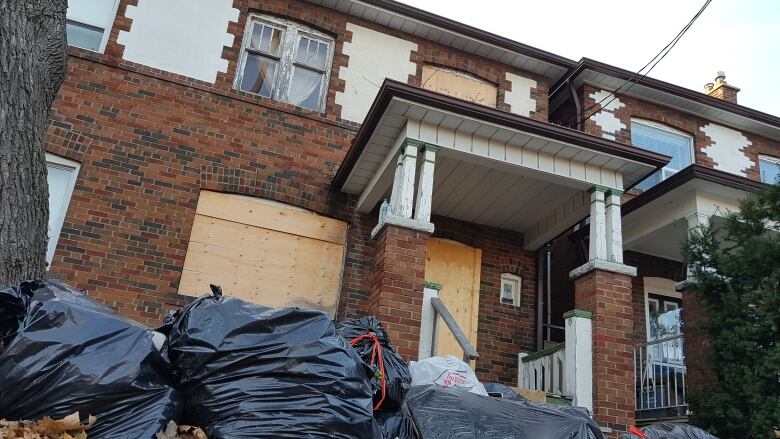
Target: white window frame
{"type": "Point", "coordinates": [660, 287]}
{"type": "Point", "coordinates": [106, 30]}
{"type": "Point", "coordinates": [74, 167]}
{"type": "Point", "coordinates": [517, 285]}
{"type": "Point", "coordinates": [291, 31]}
{"type": "Point", "coordinates": [667, 172]}
{"type": "Point", "coordinates": [769, 159]}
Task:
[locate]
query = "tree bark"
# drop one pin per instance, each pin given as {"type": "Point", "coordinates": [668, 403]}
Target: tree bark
{"type": "Point", "coordinates": [32, 67]}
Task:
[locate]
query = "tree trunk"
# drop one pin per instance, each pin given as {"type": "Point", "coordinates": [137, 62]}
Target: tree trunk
{"type": "Point", "coordinates": [32, 67]}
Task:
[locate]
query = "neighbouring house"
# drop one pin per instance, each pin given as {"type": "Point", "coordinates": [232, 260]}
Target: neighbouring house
{"type": "Point", "coordinates": [365, 156]}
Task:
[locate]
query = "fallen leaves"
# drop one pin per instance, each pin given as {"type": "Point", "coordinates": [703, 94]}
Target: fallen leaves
{"type": "Point", "coordinates": [173, 431]}
{"type": "Point", "coordinates": [69, 427]}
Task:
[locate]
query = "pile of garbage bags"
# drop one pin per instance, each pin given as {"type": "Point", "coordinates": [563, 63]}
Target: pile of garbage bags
{"type": "Point", "coordinates": [669, 431]}
{"type": "Point", "coordinates": [240, 370]}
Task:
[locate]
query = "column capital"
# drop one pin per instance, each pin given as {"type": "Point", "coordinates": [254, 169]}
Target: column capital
{"type": "Point", "coordinates": [602, 265]}
{"type": "Point", "coordinates": [598, 188]}
{"type": "Point", "coordinates": [577, 313]}
{"type": "Point", "coordinates": [615, 192]}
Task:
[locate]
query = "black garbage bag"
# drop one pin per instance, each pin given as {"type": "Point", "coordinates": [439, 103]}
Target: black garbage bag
{"type": "Point", "coordinates": [13, 307]}
{"type": "Point", "coordinates": [670, 430]}
{"type": "Point", "coordinates": [72, 354]}
{"type": "Point", "coordinates": [395, 424]}
{"type": "Point", "coordinates": [498, 390]}
{"type": "Point", "coordinates": [397, 376]}
{"type": "Point", "coordinates": [248, 371]}
{"type": "Point", "coordinates": [447, 413]}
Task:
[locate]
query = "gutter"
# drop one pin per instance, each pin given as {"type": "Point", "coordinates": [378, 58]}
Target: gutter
{"type": "Point", "coordinates": [391, 89]}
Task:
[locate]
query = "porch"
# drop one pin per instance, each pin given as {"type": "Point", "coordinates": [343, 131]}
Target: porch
{"type": "Point", "coordinates": [421, 157]}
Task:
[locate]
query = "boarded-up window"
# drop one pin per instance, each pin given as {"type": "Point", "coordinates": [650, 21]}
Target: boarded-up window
{"type": "Point", "coordinates": [459, 84]}
{"type": "Point", "coordinates": [264, 252]}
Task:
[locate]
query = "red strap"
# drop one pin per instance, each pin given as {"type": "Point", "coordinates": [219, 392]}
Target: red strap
{"type": "Point", "coordinates": [376, 353]}
{"type": "Point", "coordinates": [635, 431]}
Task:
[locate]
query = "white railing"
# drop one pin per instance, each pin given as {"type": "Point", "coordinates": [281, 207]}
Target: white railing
{"type": "Point", "coordinates": [543, 370]}
{"type": "Point", "coordinates": [659, 371]}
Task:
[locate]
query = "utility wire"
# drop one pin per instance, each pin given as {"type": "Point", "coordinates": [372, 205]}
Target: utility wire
{"type": "Point", "coordinates": [654, 61]}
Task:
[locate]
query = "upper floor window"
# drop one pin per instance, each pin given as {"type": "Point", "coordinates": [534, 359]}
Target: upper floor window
{"type": "Point", "coordinates": [286, 61]}
{"type": "Point", "coordinates": [459, 84]}
{"type": "Point", "coordinates": [770, 168]}
{"type": "Point", "coordinates": [89, 23]}
{"type": "Point", "coordinates": [61, 177]}
{"type": "Point", "coordinates": [663, 140]}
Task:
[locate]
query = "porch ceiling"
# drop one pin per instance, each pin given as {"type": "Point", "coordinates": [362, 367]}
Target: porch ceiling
{"type": "Point", "coordinates": [492, 167]}
{"type": "Point", "coordinates": [656, 222]}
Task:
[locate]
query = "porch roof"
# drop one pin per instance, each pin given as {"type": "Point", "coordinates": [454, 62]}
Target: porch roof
{"type": "Point", "coordinates": [656, 222]}
{"type": "Point", "coordinates": [492, 167]}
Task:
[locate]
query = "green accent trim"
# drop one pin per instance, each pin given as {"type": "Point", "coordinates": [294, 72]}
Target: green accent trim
{"type": "Point", "coordinates": [429, 147]}
{"type": "Point", "coordinates": [578, 313]}
{"type": "Point", "coordinates": [558, 400]}
{"type": "Point", "coordinates": [433, 285]}
{"type": "Point", "coordinates": [615, 192]}
{"type": "Point", "coordinates": [544, 352]}
{"type": "Point", "coordinates": [413, 142]}
{"type": "Point", "coordinates": [598, 188]}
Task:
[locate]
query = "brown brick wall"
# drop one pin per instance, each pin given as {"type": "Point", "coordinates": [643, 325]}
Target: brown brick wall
{"type": "Point", "coordinates": [696, 353]}
{"type": "Point", "coordinates": [503, 330]}
{"type": "Point", "coordinates": [679, 120]}
{"type": "Point", "coordinates": [397, 284]}
{"type": "Point", "coordinates": [609, 297]}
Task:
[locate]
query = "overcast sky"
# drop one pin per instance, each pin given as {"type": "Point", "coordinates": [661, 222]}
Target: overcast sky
{"type": "Point", "coordinates": [740, 37]}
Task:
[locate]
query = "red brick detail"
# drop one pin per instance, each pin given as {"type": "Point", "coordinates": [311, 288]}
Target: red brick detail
{"type": "Point", "coordinates": [608, 296]}
{"type": "Point", "coordinates": [697, 343]}
{"type": "Point", "coordinates": [397, 286]}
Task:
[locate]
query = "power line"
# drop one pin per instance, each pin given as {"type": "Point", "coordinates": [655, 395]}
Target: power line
{"type": "Point", "coordinates": [654, 61]}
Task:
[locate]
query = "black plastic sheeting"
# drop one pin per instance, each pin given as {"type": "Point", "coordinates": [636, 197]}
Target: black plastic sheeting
{"type": "Point", "coordinates": [72, 354]}
{"type": "Point", "coordinates": [671, 431]}
{"type": "Point", "coordinates": [398, 379]}
{"type": "Point", "coordinates": [498, 390]}
{"type": "Point", "coordinates": [395, 425]}
{"type": "Point", "coordinates": [253, 372]}
{"type": "Point", "coordinates": [444, 413]}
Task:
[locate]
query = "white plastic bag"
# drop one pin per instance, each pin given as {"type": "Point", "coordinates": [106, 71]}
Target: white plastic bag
{"type": "Point", "coordinates": [447, 371]}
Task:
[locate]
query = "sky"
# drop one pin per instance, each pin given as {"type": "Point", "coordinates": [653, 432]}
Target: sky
{"type": "Point", "coordinates": [739, 37]}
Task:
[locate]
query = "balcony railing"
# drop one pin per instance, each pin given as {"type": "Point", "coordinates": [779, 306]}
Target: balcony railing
{"type": "Point", "coordinates": [544, 370]}
{"type": "Point", "coordinates": [659, 371]}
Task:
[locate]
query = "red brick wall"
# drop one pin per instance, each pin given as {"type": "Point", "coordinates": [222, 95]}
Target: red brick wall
{"type": "Point", "coordinates": [503, 330]}
{"type": "Point", "coordinates": [679, 120]}
{"type": "Point", "coordinates": [696, 353]}
{"type": "Point", "coordinates": [608, 297]}
{"type": "Point", "coordinates": [397, 284]}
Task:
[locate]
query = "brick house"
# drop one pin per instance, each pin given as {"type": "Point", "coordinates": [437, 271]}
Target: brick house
{"type": "Point", "coordinates": [367, 156]}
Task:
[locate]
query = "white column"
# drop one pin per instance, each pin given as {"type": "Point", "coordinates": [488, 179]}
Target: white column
{"type": "Point", "coordinates": [598, 231]}
{"type": "Point", "coordinates": [406, 194]}
{"type": "Point", "coordinates": [614, 229]}
{"type": "Point", "coordinates": [395, 193]}
{"type": "Point", "coordinates": [427, 321]}
{"type": "Point", "coordinates": [578, 378]}
{"type": "Point", "coordinates": [422, 210]}
{"type": "Point", "coordinates": [522, 372]}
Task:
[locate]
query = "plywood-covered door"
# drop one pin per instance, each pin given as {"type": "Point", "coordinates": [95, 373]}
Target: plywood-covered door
{"type": "Point", "coordinates": [456, 267]}
{"type": "Point", "coordinates": [264, 252]}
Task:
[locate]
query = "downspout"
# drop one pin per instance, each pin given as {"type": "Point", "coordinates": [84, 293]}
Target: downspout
{"type": "Point", "coordinates": [577, 105]}
{"type": "Point", "coordinates": [539, 300]}
{"type": "Point", "coordinates": [549, 290]}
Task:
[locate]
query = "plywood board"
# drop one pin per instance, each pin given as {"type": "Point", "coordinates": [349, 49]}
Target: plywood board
{"type": "Point", "coordinates": [459, 84]}
{"type": "Point", "coordinates": [456, 267]}
{"type": "Point", "coordinates": [271, 215]}
{"type": "Point", "coordinates": [269, 267]}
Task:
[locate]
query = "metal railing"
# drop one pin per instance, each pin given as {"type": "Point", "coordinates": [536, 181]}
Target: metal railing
{"type": "Point", "coordinates": [659, 375]}
{"type": "Point", "coordinates": [469, 353]}
{"type": "Point", "coordinates": [544, 370]}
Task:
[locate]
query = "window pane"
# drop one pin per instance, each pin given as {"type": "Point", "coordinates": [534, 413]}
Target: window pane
{"type": "Point", "coordinates": [677, 146]}
{"type": "Point", "coordinates": [312, 53]}
{"type": "Point", "coordinates": [305, 88]}
{"type": "Point", "coordinates": [95, 12]}
{"type": "Point", "coordinates": [266, 38]}
{"type": "Point", "coordinates": [258, 75]}
{"type": "Point", "coordinates": [59, 180]}
{"type": "Point", "coordinates": [770, 171]}
{"type": "Point", "coordinates": [84, 36]}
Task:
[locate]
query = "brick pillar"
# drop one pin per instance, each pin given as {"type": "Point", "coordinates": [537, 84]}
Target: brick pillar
{"type": "Point", "coordinates": [607, 295]}
{"type": "Point", "coordinates": [696, 343]}
{"type": "Point", "coordinates": [397, 285]}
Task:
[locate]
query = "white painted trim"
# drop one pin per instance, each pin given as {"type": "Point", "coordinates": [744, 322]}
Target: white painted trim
{"type": "Point", "coordinates": [427, 322]}
{"type": "Point", "coordinates": [74, 167]}
{"type": "Point", "coordinates": [106, 29]}
{"type": "Point", "coordinates": [406, 195]}
{"type": "Point", "coordinates": [578, 377]}
{"type": "Point", "coordinates": [423, 205]}
{"type": "Point", "coordinates": [407, 223]}
{"type": "Point", "coordinates": [517, 283]}
{"type": "Point", "coordinates": [597, 247]}
{"type": "Point", "coordinates": [599, 264]}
